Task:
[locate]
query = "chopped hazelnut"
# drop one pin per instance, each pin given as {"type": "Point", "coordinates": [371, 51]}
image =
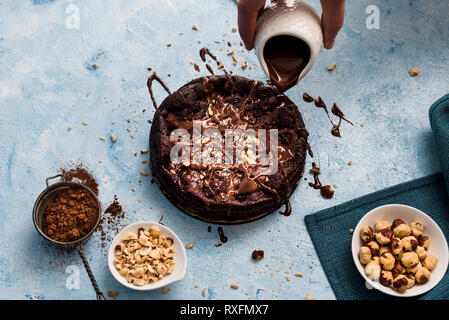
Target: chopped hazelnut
{"type": "Point", "coordinates": [413, 72]}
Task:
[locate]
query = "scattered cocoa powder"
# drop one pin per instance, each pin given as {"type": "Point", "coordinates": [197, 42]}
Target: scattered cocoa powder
{"type": "Point", "coordinates": [111, 223]}
{"type": "Point", "coordinates": [71, 215]}
{"type": "Point", "coordinates": [81, 175]}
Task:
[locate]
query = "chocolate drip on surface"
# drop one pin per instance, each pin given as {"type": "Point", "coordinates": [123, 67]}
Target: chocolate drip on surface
{"type": "Point", "coordinates": [309, 150]}
{"type": "Point", "coordinates": [325, 191]}
{"type": "Point", "coordinates": [307, 98]}
{"type": "Point", "coordinates": [205, 52]}
{"type": "Point", "coordinates": [336, 129]}
{"type": "Point", "coordinates": [336, 111]}
{"type": "Point", "coordinates": [288, 209]}
{"type": "Point", "coordinates": [209, 68]}
{"type": "Point", "coordinates": [153, 77]}
{"type": "Point", "coordinates": [320, 104]}
{"type": "Point", "coordinates": [223, 238]}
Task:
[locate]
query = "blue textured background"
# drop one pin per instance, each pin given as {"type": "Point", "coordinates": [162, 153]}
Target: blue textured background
{"type": "Point", "coordinates": [46, 73]}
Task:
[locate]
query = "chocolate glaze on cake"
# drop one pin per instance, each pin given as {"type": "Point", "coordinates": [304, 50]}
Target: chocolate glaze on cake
{"type": "Point", "coordinates": [233, 193]}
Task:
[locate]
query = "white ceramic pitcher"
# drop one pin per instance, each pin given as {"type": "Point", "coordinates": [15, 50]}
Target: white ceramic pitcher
{"type": "Point", "coordinates": [293, 18]}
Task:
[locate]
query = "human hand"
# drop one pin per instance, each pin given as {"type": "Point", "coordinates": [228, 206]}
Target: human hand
{"type": "Point", "coordinates": [332, 19]}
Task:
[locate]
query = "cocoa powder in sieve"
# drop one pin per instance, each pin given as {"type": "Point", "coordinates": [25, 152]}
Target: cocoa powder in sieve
{"type": "Point", "coordinates": [71, 215]}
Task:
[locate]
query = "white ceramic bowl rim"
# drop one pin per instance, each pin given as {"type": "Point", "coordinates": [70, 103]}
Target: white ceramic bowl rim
{"type": "Point", "coordinates": [180, 257]}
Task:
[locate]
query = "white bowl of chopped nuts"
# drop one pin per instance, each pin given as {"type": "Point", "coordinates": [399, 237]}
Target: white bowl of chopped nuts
{"type": "Point", "coordinates": [146, 256]}
{"type": "Point", "coordinates": [399, 250]}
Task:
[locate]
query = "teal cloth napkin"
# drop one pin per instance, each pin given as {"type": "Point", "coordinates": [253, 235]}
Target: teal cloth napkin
{"type": "Point", "coordinates": [329, 228]}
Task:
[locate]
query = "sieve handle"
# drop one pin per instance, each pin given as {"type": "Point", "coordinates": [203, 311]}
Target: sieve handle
{"type": "Point", "coordinates": [47, 181]}
{"type": "Point", "coordinates": [100, 295]}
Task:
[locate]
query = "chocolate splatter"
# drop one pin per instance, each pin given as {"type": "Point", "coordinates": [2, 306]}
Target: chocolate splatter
{"type": "Point", "coordinates": [307, 98]}
{"type": "Point", "coordinates": [326, 191]}
{"type": "Point", "coordinates": [288, 209]}
{"type": "Point", "coordinates": [223, 238]}
{"type": "Point", "coordinates": [153, 77]}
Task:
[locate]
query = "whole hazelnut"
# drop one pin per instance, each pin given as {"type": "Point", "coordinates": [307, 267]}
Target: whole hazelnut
{"type": "Point", "coordinates": [430, 262]}
{"type": "Point", "coordinates": [411, 280]}
{"type": "Point", "coordinates": [421, 252]}
{"type": "Point", "coordinates": [413, 270]}
{"type": "Point", "coordinates": [396, 246]}
{"type": "Point", "coordinates": [424, 242]}
{"type": "Point", "coordinates": [384, 249]}
{"type": "Point", "coordinates": [422, 275]}
{"type": "Point", "coordinates": [364, 255]}
{"type": "Point", "coordinates": [374, 247]}
{"type": "Point", "coordinates": [372, 270]}
{"type": "Point", "coordinates": [409, 243]}
{"type": "Point", "coordinates": [400, 283]}
{"type": "Point", "coordinates": [386, 278]}
{"type": "Point", "coordinates": [367, 234]}
{"type": "Point", "coordinates": [400, 229]}
{"type": "Point", "coordinates": [397, 269]}
{"type": "Point", "coordinates": [384, 236]}
{"type": "Point", "coordinates": [417, 228]}
{"type": "Point", "coordinates": [409, 259]}
{"type": "Point", "coordinates": [387, 261]}
{"type": "Point", "coordinates": [396, 223]}
{"type": "Point", "coordinates": [381, 225]}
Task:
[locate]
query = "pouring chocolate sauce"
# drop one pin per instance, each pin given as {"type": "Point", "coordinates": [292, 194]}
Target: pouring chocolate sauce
{"type": "Point", "coordinates": [286, 58]}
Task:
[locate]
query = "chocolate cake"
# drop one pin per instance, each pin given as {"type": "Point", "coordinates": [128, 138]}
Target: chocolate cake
{"type": "Point", "coordinates": [230, 191]}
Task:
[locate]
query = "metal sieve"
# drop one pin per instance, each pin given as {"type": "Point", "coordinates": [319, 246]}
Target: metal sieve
{"type": "Point", "coordinates": [49, 194]}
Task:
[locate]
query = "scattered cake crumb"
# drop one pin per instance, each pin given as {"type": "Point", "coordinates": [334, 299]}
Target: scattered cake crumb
{"type": "Point", "coordinates": [309, 297]}
{"type": "Point", "coordinates": [113, 138]}
{"type": "Point", "coordinates": [194, 27]}
{"type": "Point", "coordinates": [414, 71]}
{"type": "Point", "coordinates": [234, 285]}
{"type": "Point", "coordinates": [113, 293]}
{"type": "Point", "coordinates": [190, 245]}
{"type": "Point", "coordinates": [298, 274]}
{"type": "Point", "coordinates": [165, 290]}
{"type": "Point", "coordinates": [332, 67]}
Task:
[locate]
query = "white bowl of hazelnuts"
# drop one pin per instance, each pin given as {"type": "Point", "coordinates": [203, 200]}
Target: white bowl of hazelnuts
{"type": "Point", "coordinates": [399, 250]}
